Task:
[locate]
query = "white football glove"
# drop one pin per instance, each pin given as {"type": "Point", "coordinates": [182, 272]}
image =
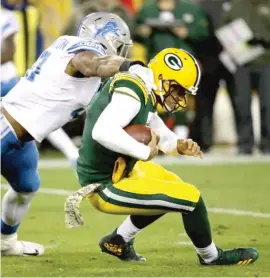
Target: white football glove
{"type": "Point", "coordinates": [146, 75]}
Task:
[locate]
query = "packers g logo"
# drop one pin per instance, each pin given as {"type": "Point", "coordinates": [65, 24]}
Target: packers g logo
{"type": "Point", "coordinates": [173, 61]}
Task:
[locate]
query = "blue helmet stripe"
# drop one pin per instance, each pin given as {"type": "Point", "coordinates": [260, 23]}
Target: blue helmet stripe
{"type": "Point", "coordinates": [75, 50]}
{"type": "Point", "coordinates": [92, 14]}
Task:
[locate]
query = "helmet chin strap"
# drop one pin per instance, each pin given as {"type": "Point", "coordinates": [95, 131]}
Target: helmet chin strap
{"type": "Point", "coordinates": [161, 96]}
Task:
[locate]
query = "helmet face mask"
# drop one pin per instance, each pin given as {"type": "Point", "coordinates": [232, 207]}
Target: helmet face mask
{"type": "Point", "coordinates": [109, 30]}
{"type": "Point", "coordinates": [173, 97]}
{"type": "Point", "coordinates": [120, 48]}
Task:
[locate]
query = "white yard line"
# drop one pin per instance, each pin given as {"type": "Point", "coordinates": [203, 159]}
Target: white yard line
{"type": "Point", "coordinates": [186, 243]}
{"type": "Point", "coordinates": [211, 159]}
{"type": "Point", "coordinates": [63, 192]}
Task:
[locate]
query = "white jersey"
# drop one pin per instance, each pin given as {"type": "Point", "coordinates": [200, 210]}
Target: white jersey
{"type": "Point", "coordinates": [47, 98]}
{"type": "Point", "coordinates": [9, 26]}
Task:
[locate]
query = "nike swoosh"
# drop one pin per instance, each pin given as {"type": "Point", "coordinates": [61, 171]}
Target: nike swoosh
{"type": "Point", "coordinates": [32, 254]}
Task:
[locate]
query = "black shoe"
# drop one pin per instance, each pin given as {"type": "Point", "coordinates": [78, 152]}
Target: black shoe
{"type": "Point", "coordinates": [238, 256]}
{"type": "Point", "coordinates": [115, 245]}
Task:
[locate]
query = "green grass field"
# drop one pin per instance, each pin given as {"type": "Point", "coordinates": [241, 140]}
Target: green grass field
{"type": "Point", "coordinates": [75, 252]}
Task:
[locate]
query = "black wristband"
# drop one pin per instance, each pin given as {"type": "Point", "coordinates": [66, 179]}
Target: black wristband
{"type": "Point", "coordinates": [125, 65]}
{"type": "Point", "coordinates": [137, 63]}
{"type": "Point", "coordinates": [128, 63]}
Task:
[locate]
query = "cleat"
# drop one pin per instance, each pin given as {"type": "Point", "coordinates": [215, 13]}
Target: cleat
{"type": "Point", "coordinates": [238, 256]}
{"type": "Point", "coordinates": [10, 246]}
{"type": "Point", "coordinates": [115, 245]}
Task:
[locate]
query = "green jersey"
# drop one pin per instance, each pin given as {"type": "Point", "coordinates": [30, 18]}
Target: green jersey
{"type": "Point", "coordinates": [97, 163]}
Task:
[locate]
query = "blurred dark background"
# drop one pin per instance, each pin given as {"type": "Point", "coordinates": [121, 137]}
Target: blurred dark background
{"type": "Point", "coordinates": [230, 109]}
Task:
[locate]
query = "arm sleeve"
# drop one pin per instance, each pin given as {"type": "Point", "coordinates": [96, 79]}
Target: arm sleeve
{"type": "Point", "coordinates": [168, 139]}
{"type": "Point", "coordinates": [108, 130]}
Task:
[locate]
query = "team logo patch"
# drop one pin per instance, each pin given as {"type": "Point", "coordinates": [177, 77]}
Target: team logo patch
{"type": "Point", "coordinates": [111, 27]}
{"type": "Point", "coordinates": [173, 61]}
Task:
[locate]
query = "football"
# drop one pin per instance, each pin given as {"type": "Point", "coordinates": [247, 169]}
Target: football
{"type": "Point", "coordinates": [141, 133]}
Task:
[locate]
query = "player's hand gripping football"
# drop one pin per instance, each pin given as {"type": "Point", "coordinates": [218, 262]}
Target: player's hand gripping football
{"type": "Point", "coordinates": [153, 145]}
{"type": "Point", "coordinates": [189, 147]}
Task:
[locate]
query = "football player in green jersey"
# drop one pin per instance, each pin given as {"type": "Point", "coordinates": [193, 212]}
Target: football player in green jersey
{"type": "Point", "coordinates": [119, 167]}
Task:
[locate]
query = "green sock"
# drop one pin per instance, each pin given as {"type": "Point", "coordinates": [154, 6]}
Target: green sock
{"type": "Point", "coordinates": [197, 225]}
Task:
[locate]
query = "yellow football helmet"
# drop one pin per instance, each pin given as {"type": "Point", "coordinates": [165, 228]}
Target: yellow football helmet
{"type": "Point", "coordinates": [176, 73]}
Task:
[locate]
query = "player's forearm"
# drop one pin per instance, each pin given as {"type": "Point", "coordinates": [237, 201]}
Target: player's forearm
{"type": "Point", "coordinates": [108, 130]}
{"type": "Point", "coordinates": [114, 138]}
{"type": "Point", "coordinates": [168, 139]}
{"type": "Point", "coordinates": [91, 65]}
{"type": "Point", "coordinates": [108, 66]}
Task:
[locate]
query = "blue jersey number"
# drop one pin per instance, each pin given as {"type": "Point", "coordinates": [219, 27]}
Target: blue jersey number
{"type": "Point", "coordinates": [36, 68]}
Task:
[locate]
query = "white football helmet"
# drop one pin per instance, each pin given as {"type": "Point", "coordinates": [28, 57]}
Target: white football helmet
{"type": "Point", "coordinates": [109, 30]}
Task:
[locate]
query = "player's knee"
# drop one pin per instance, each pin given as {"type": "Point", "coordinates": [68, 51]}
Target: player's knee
{"type": "Point", "coordinates": [27, 184]}
{"type": "Point", "coordinates": [197, 192]}
{"type": "Point", "coordinates": [193, 193]}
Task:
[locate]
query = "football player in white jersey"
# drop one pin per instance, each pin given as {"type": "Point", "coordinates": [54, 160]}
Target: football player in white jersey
{"type": "Point", "coordinates": [9, 78]}
{"type": "Point", "coordinates": [19, 167]}
{"type": "Point", "coordinates": [56, 89]}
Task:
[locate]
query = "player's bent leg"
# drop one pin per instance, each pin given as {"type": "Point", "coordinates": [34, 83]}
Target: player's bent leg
{"type": "Point", "coordinates": [19, 167]}
{"type": "Point", "coordinates": [114, 244]}
{"type": "Point", "coordinates": [198, 228]}
{"type": "Point", "coordinates": [120, 242]}
{"type": "Point", "coordinates": [153, 170]}
{"type": "Point", "coordinates": [146, 198]}
{"type": "Point", "coordinates": [195, 216]}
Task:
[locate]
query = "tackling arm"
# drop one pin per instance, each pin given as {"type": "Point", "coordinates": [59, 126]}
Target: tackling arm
{"type": "Point", "coordinates": [90, 64]}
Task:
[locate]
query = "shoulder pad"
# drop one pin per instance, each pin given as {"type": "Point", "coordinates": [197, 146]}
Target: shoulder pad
{"type": "Point", "coordinates": [130, 82]}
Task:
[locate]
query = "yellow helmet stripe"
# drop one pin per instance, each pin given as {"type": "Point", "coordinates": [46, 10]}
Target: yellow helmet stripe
{"type": "Point", "coordinates": [198, 77]}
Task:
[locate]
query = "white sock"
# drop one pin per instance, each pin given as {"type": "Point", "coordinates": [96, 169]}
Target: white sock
{"type": "Point", "coordinates": [209, 253]}
{"type": "Point", "coordinates": [60, 140]}
{"type": "Point", "coordinates": [127, 230]}
{"type": "Point", "coordinates": [15, 205]}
